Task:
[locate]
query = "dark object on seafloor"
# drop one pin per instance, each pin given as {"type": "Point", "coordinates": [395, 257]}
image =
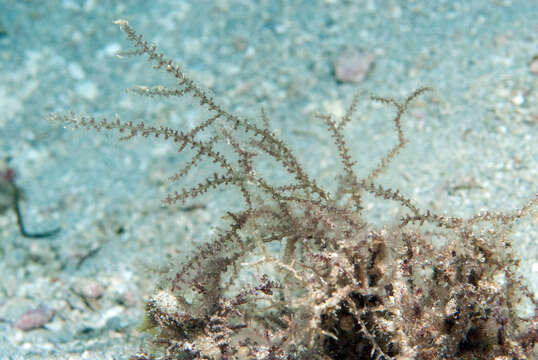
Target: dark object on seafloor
{"type": "Point", "coordinates": [10, 196]}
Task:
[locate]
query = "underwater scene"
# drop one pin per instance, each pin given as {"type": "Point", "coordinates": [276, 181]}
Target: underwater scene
{"type": "Point", "coordinates": [269, 179]}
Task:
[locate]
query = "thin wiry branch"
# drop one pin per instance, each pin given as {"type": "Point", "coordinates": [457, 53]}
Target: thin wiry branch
{"type": "Point", "coordinates": [401, 108]}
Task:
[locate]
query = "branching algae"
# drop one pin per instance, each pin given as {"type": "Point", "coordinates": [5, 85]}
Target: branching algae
{"type": "Point", "coordinates": [339, 287]}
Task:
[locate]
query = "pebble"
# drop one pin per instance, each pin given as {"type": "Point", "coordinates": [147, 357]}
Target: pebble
{"type": "Point", "coordinates": [90, 289]}
{"type": "Point", "coordinates": [87, 90]}
{"type": "Point", "coordinates": [352, 67]}
{"type": "Point", "coordinates": [110, 50]}
{"type": "Point", "coordinates": [76, 71]}
{"type": "Point", "coordinates": [518, 99]}
{"type": "Point", "coordinates": [34, 319]}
